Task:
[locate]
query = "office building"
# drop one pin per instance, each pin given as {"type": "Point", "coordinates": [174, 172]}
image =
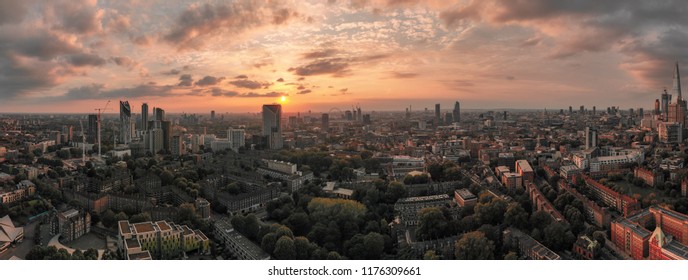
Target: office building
{"type": "Point", "coordinates": [272, 125]}
{"type": "Point", "coordinates": [590, 138]}
{"type": "Point", "coordinates": [456, 113]}
{"type": "Point", "coordinates": [177, 146]}
{"type": "Point", "coordinates": [670, 132]}
{"type": "Point", "coordinates": [212, 115]}
{"type": "Point", "coordinates": [438, 116]}
{"type": "Point", "coordinates": [70, 224]}
{"type": "Point", "coordinates": [237, 138]}
{"type": "Point", "coordinates": [144, 117]}
{"type": "Point", "coordinates": [92, 129]}
{"type": "Point", "coordinates": [125, 122]}
{"type": "Point", "coordinates": [325, 119]}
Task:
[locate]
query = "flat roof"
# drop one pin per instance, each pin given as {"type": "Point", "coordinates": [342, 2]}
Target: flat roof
{"type": "Point", "coordinates": [163, 225]}
{"type": "Point", "coordinates": [144, 227]}
{"type": "Point", "coordinates": [465, 194]}
{"type": "Point", "coordinates": [424, 198]}
{"type": "Point", "coordinates": [124, 226]}
{"type": "Point", "coordinates": [671, 213]}
{"type": "Point", "coordinates": [145, 255]}
{"type": "Point", "coordinates": [133, 243]}
{"type": "Point", "coordinates": [201, 235]}
{"type": "Point", "coordinates": [525, 165]}
{"type": "Point", "coordinates": [635, 228]}
{"type": "Point", "coordinates": [677, 248]}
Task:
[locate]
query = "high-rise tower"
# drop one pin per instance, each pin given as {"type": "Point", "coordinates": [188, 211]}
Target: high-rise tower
{"type": "Point", "coordinates": [457, 112]}
{"type": "Point", "coordinates": [677, 84]}
{"type": "Point", "coordinates": [144, 116]}
{"type": "Point", "coordinates": [438, 116]}
{"type": "Point", "coordinates": [125, 122]}
{"type": "Point", "coordinates": [272, 125]}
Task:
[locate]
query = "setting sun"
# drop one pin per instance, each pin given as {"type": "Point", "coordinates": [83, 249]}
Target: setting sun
{"type": "Point", "coordinates": [283, 99]}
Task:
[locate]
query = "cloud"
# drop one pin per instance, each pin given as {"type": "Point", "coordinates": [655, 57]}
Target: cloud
{"type": "Point", "coordinates": [124, 61]}
{"type": "Point", "coordinates": [280, 80]}
{"type": "Point", "coordinates": [269, 94]}
{"type": "Point", "coordinates": [78, 16]}
{"type": "Point", "coordinates": [185, 80]}
{"type": "Point", "coordinates": [198, 23]}
{"type": "Point", "coordinates": [142, 40]}
{"type": "Point", "coordinates": [221, 92]}
{"type": "Point", "coordinates": [301, 87]}
{"type": "Point", "coordinates": [91, 91]}
{"type": "Point", "coordinates": [13, 11]}
{"type": "Point", "coordinates": [241, 77]}
{"type": "Point", "coordinates": [243, 83]}
{"type": "Point", "coordinates": [403, 75]}
{"type": "Point", "coordinates": [319, 54]}
{"type": "Point", "coordinates": [209, 81]}
{"type": "Point", "coordinates": [304, 91]}
{"type": "Point", "coordinates": [336, 67]}
{"type": "Point", "coordinates": [80, 60]}
{"type": "Point", "coordinates": [172, 72]}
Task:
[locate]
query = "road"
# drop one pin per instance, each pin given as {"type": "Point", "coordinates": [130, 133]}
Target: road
{"type": "Point", "coordinates": [20, 250]}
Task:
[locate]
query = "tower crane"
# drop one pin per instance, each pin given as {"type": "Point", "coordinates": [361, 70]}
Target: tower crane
{"type": "Point", "coordinates": [100, 110]}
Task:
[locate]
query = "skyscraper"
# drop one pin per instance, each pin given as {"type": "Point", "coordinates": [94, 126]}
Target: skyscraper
{"type": "Point", "coordinates": [657, 107]}
{"type": "Point", "coordinates": [158, 114]}
{"type": "Point", "coordinates": [92, 128]}
{"type": "Point", "coordinates": [272, 125]}
{"type": "Point", "coordinates": [125, 122]}
{"type": "Point", "coordinates": [677, 83]}
{"type": "Point", "coordinates": [457, 112]}
{"type": "Point", "coordinates": [212, 115]}
{"type": "Point", "coordinates": [325, 119]}
{"type": "Point", "coordinates": [677, 110]}
{"type": "Point", "coordinates": [144, 116]}
{"type": "Point", "coordinates": [438, 117]}
{"type": "Point", "coordinates": [666, 98]}
{"type": "Point", "coordinates": [590, 137]}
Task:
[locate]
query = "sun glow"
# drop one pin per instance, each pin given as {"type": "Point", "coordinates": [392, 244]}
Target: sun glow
{"type": "Point", "coordinates": [283, 99]}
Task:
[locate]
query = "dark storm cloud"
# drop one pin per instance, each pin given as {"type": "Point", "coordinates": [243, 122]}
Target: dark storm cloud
{"type": "Point", "coordinates": [200, 22]}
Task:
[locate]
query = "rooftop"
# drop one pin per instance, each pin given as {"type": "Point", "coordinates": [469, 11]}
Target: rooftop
{"type": "Point", "coordinates": [133, 243]}
{"type": "Point", "coordinates": [144, 227]}
{"type": "Point", "coordinates": [124, 227]}
{"type": "Point", "coordinates": [424, 198]}
{"type": "Point", "coordinates": [145, 255]}
{"type": "Point", "coordinates": [465, 194]}
{"type": "Point", "coordinates": [163, 225]}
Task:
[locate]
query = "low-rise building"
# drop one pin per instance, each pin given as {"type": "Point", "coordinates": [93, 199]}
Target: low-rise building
{"type": "Point", "coordinates": [9, 234]}
{"type": "Point", "coordinates": [239, 246]}
{"type": "Point", "coordinates": [529, 247]}
{"type": "Point", "coordinates": [70, 224]}
{"type": "Point", "coordinates": [465, 198]}
{"type": "Point", "coordinates": [161, 240]}
{"type": "Point", "coordinates": [408, 208]}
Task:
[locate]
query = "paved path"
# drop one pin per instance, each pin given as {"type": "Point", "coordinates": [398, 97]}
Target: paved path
{"type": "Point", "coordinates": [55, 242]}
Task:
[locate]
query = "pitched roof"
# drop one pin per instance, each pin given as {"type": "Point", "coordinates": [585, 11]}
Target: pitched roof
{"type": "Point", "coordinates": [9, 233]}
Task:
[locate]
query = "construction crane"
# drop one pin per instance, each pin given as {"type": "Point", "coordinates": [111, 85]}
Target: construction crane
{"type": "Point", "coordinates": [83, 143]}
{"type": "Point", "coordinates": [100, 110]}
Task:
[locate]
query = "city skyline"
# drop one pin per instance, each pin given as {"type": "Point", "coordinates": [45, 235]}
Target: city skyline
{"type": "Point", "coordinates": [70, 57]}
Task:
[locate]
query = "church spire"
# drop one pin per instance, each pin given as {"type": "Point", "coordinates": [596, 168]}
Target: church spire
{"type": "Point", "coordinates": [677, 84]}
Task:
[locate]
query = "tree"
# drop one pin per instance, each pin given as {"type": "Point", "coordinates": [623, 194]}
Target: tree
{"type": "Point", "coordinates": [430, 255]}
{"type": "Point", "coordinates": [491, 212]}
{"type": "Point", "coordinates": [374, 244]}
{"type": "Point", "coordinates": [268, 242]}
{"type": "Point", "coordinates": [299, 223]}
{"type": "Point", "coordinates": [141, 217]}
{"type": "Point", "coordinates": [540, 219]}
{"type": "Point", "coordinates": [511, 256]}
{"type": "Point", "coordinates": [91, 254]}
{"type": "Point", "coordinates": [600, 237]}
{"type": "Point", "coordinates": [432, 224]}
{"type": "Point", "coordinates": [557, 236]}
{"type": "Point", "coordinates": [304, 248]}
{"type": "Point", "coordinates": [109, 219]}
{"type": "Point", "coordinates": [121, 216]}
{"type": "Point", "coordinates": [516, 216]}
{"type": "Point", "coordinates": [285, 249]}
{"type": "Point", "coordinates": [474, 246]}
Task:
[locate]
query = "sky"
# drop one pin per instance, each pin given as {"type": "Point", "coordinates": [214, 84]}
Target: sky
{"type": "Point", "coordinates": [72, 56]}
